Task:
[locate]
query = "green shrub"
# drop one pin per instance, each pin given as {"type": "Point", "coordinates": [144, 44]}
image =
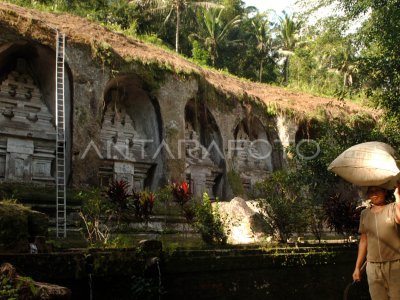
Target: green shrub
{"type": "Point", "coordinates": [236, 184]}
{"type": "Point", "coordinates": [142, 203]}
{"type": "Point", "coordinates": [209, 222]}
{"type": "Point", "coordinates": [283, 201]}
{"type": "Point", "coordinates": [95, 214]}
{"type": "Point", "coordinates": [199, 54]}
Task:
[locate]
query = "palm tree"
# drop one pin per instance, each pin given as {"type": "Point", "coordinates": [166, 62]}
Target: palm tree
{"type": "Point", "coordinates": [175, 6]}
{"type": "Point", "coordinates": [287, 37]}
{"type": "Point", "coordinates": [262, 32]}
{"type": "Point", "coordinates": [348, 68]}
{"type": "Point", "coordinates": [216, 31]}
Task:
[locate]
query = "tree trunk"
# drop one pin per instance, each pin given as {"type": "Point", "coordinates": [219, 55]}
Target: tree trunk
{"type": "Point", "coordinates": [286, 71]}
{"type": "Point", "coordinates": [344, 85]}
{"type": "Point", "coordinates": [178, 21]}
{"type": "Point", "coordinates": [213, 55]}
{"type": "Point", "coordinates": [261, 70]}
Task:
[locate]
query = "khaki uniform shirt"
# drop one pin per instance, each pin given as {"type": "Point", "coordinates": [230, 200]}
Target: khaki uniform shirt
{"type": "Point", "coordinates": [383, 234]}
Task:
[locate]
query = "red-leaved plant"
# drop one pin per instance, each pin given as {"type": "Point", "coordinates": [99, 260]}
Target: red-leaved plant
{"type": "Point", "coordinates": [181, 193]}
{"type": "Point", "coordinates": [147, 202]}
{"type": "Point", "coordinates": [143, 203]}
{"type": "Point", "coordinates": [118, 193]}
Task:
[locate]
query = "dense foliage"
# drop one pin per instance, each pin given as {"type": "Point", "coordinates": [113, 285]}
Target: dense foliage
{"type": "Point", "coordinates": [329, 56]}
{"type": "Point", "coordinates": [285, 204]}
{"type": "Point", "coordinates": [306, 196]}
{"type": "Point", "coordinates": [209, 222]}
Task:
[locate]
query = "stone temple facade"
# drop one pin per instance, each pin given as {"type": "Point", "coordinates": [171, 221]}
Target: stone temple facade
{"type": "Point", "coordinates": [27, 132]}
{"type": "Point", "coordinates": [127, 124]}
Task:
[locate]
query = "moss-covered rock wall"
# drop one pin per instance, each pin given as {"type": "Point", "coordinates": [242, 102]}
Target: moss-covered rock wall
{"type": "Point", "coordinates": [318, 272]}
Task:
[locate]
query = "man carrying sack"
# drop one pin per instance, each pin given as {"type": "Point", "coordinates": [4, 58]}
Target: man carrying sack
{"type": "Point", "coordinates": [380, 243]}
{"type": "Point", "coordinates": [373, 164]}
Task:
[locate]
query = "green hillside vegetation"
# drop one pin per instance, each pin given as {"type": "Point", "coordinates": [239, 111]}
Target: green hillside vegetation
{"type": "Point", "coordinates": [326, 58]}
{"type": "Point", "coordinates": [226, 35]}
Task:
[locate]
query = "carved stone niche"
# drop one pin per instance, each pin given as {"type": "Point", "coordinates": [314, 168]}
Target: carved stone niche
{"type": "Point", "coordinates": [19, 159]}
{"type": "Point", "coordinates": [42, 164]}
{"type": "Point", "coordinates": [124, 171]}
{"type": "Point", "coordinates": [22, 110]}
{"type": "Point", "coordinates": [125, 154]}
{"type": "Point", "coordinates": [252, 158]}
{"type": "Point", "coordinates": [204, 163]}
{"type": "Point", "coordinates": [27, 135]}
{"type": "Point", "coordinates": [201, 171]}
{"type": "Point", "coordinates": [134, 173]}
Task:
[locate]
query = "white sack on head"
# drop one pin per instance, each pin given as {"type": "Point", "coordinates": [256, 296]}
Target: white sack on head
{"type": "Point", "coordinates": [368, 164]}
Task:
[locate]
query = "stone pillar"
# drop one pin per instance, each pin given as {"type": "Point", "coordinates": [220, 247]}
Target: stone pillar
{"type": "Point", "coordinates": [287, 129]}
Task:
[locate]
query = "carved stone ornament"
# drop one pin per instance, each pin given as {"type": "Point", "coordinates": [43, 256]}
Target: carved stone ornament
{"type": "Point", "coordinates": [8, 113]}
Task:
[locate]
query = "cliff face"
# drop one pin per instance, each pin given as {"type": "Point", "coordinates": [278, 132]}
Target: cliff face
{"type": "Point", "coordinates": [136, 112]}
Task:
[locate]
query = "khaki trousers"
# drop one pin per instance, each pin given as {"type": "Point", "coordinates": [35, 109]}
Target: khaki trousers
{"type": "Point", "coordinates": [384, 280]}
